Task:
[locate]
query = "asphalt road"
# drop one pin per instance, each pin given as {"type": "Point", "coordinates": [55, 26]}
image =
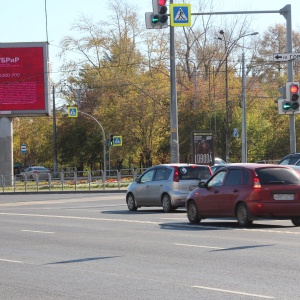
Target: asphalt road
{"type": "Point", "coordinates": [89, 246]}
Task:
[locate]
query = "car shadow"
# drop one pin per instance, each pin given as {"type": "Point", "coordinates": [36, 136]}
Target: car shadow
{"type": "Point", "coordinates": [219, 225]}
{"type": "Point", "coordinates": [142, 212]}
{"type": "Point", "coordinates": [80, 260]}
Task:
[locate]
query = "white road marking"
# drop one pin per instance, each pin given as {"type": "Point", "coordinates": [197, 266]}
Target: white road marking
{"type": "Point", "coordinates": [12, 261]}
{"type": "Point", "coordinates": [155, 223]}
{"type": "Point", "coordinates": [232, 292]}
{"type": "Point", "coordinates": [36, 231]}
{"type": "Point", "coordinates": [80, 218]}
{"type": "Point", "coordinates": [43, 202]}
{"type": "Point", "coordinates": [197, 246]}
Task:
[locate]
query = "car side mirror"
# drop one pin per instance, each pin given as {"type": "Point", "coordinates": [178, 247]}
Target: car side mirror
{"type": "Point", "coordinates": [201, 184]}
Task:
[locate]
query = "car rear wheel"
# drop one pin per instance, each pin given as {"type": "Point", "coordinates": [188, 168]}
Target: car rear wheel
{"type": "Point", "coordinates": [192, 213]}
{"type": "Point", "coordinates": [243, 215]}
{"type": "Point", "coordinates": [166, 203]}
{"type": "Point", "coordinates": [131, 203]}
{"type": "Point", "coordinates": [296, 221]}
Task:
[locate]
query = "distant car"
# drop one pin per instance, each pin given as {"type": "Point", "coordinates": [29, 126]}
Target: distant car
{"type": "Point", "coordinates": [165, 185]}
{"type": "Point", "coordinates": [247, 192]}
{"type": "Point", "coordinates": [219, 161]}
{"type": "Point", "coordinates": [34, 173]}
{"type": "Point", "coordinates": [290, 159]}
{"type": "Point", "coordinates": [216, 168]}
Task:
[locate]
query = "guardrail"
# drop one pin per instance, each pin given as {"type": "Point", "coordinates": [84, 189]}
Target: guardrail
{"type": "Point", "coordinates": [268, 161]}
{"type": "Point", "coordinates": [71, 181]}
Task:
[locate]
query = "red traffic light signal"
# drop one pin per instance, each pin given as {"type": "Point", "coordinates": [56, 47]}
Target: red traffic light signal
{"type": "Point", "coordinates": [294, 91]}
{"type": "Point", "coordinates": [291, 104]}
{"type": "Point", "coordinates": [294, 88]}
{"type": "Point", "coordinates": [161, 2]}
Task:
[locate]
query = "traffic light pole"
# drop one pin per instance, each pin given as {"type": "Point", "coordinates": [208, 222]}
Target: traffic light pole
{"type": "Point", "coordinates": [174, 143]}
{"type": "Point", "coordinates": [286, 12]}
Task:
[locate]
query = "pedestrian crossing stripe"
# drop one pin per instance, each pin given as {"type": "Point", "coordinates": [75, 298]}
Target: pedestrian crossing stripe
{"type": "Point", "coordinates": [180, 14]}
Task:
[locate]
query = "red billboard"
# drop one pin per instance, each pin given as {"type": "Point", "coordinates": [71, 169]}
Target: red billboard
{"type": "Point", "coordinates": [24, 79]}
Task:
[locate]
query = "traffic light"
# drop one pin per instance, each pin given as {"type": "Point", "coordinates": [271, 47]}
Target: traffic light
{"type": "Point", "coordinates": [158, 18]}
{"type": "Point", "coordinates": [281, 98]}
{"type": "Point", "coordinates": [291, 105]}
{"type": "Point", "coordinates": [111, 140]}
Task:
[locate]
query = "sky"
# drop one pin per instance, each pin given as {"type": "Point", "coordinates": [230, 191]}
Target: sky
{"type": "Point", "coordinates": [25, 21]}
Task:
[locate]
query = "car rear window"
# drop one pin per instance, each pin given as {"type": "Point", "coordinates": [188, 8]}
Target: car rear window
{"type": "Point", "coordinates": [277, 176]}
{"type": "Point", "coordinates": [194, 172]}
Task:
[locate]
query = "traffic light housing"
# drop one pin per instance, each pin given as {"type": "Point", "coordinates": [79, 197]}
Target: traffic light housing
{"type": "Point", "coordinates": [111, 140]}
{"type": "Point", "coordinates": [291, 104]}
{"type": "Point", "coordinates": [281, 98]}
{"type": "Point", "coordinates": [157, 19]}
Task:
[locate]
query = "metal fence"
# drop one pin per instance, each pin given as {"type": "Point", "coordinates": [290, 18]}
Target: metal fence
{"type": "Point", "coordinates": [71, 181]}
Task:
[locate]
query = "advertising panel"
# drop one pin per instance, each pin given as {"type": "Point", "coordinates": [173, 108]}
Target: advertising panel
{"type": "Point", "coordinates": [24, 79]}
{"type": "Point", "coordinates": [202, 148]}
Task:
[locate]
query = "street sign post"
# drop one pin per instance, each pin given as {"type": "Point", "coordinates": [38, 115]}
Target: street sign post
{"type": "Point", "coordinates": [286, 56]}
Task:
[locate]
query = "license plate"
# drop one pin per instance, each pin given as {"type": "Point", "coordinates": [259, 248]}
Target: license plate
{"type": "Point", "coordinates": [192, 187]}
{"type": "Point", "coordinates": [284, 197]}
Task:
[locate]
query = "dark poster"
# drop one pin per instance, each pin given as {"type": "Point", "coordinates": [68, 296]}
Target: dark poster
{"type": "Point", "coordinates": [202, 148]}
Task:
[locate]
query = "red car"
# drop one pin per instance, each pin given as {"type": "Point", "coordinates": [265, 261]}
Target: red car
{"type": "Point", "coordinates": [248, 192]}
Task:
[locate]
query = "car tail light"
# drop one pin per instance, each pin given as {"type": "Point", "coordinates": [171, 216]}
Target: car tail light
{"type": "Point", "coordinates": [176, 174]}
{"type": "Point", "coordinates": [35, 172]}
{"type": "Point", "coordinates": [256, 183]}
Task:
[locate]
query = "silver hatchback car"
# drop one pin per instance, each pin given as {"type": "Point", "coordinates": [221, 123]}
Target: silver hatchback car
{"type": "Point", "coordinates": [165, 185]}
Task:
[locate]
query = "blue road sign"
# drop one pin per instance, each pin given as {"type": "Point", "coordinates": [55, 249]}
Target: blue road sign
{"type": "Point", "coordinates": [73, 112]}
{"type": "Point", "coordinates": [23, 148]}
{"type": "Point", "coordinates": [235, 132]}
{"type": "Point", "coordinates": [180, 14]}
{"type": "Point", "coordinates": [117, 140]}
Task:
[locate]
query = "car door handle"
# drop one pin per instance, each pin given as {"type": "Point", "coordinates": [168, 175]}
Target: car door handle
{"type": "Point", "coordinates": [235, 190]}
{"type": "Point", "coordinates": [217, 191]}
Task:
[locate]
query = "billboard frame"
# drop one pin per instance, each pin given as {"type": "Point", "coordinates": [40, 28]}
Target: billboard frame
{"type": "Point", "coordinates": [45, 101]}
{"type": "Point", "coordinates": [202, 143]}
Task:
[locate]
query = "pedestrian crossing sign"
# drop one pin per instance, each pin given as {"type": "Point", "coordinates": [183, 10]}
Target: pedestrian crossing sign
{"type": "Point", "coordinates": [117, 141]}
{"type": "Point", "coordinates": [180, 14]}
{"type": "Point", "coordinates": [72, 112]}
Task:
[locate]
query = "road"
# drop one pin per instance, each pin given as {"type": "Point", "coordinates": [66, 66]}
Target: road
{"type": "Point", "coordinates": [89, 246]}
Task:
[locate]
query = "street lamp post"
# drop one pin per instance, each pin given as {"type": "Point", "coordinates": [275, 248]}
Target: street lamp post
{"type": "Point", "coordinates": [54, 135]}
{"type": "Point", "coordinates": [104, 142]}
{"type": "Point", "coordinates": [226, 97]}
{"type": "Point", "coordinates": [244, 130]}
{"type": "Point", "coordinates": [244, 123]}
